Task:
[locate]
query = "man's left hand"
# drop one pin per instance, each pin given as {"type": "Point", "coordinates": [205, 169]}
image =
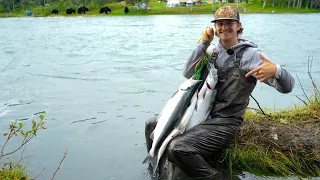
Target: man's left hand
{"type": "Point", "coordinates": [267, 70]}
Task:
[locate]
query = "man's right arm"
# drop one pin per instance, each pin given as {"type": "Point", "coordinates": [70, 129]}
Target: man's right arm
{"type": "Point", "coordinates": [197, 54]}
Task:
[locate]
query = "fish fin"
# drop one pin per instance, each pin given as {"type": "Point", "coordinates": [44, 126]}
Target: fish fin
{"type": "Point", "coordinates": [174, 94]}
{"type": "Point", "coordinates": [151, 160]}
{"type": "Point", "coordinates": [196, 107]}
{"type": "Point", "coordinates": [204, 94]}
{"type": "Point", "coordinates": [147, 159]}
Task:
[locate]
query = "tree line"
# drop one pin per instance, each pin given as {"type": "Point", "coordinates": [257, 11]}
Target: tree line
{"type": "Point", "coordinates": [12, 5]}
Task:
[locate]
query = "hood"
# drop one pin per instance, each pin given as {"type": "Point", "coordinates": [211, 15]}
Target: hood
{"type": "Point", "coordinates": [236, 48]}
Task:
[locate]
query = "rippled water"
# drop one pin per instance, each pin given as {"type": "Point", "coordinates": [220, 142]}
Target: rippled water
{"type": "Point", "coordinates": [100, 78]}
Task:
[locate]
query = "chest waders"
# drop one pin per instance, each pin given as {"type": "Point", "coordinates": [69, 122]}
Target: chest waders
{"type": "Point", "coordinates": [190, 150]}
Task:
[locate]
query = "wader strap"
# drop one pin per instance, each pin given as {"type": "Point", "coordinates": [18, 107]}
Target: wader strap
{"type": "Point", "coordinates": [238, 58]}
{"type": "Point", "coordinates": [215, 55]}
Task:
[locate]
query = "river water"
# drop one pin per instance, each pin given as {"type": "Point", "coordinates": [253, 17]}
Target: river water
{"type": "Point", "coordinates": [100, 78]}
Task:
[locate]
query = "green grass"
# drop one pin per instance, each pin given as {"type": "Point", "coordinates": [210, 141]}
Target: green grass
{"type": "Point", "coordinates": [257, 152]}
{"type": "Point", "coordinates": [15, 172]}
{"type": "Point", "coordinates": [263, 162]}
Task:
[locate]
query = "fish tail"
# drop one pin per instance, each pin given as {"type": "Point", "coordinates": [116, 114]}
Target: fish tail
{"type": "Point", "coordinates": [152, 161]}
{"type": "Point", "coordinates": [147, 159]}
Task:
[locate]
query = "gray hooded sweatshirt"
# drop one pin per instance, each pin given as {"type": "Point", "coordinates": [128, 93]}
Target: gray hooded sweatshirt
{"type": "Point", "coordinates": [282, 81]}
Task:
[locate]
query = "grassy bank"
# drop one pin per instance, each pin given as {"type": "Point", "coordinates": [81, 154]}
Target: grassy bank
{"type": "Point", "coordinates": [155, 8]}
{"type": "Point", "coordinates": [283, 143]}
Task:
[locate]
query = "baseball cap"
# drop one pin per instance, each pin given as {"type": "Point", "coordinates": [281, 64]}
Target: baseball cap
{"type": "Point", "coordinates": [226, 12]}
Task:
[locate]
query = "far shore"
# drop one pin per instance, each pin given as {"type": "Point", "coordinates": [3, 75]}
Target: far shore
{"type": "Point", "coordinates": [156, 9]}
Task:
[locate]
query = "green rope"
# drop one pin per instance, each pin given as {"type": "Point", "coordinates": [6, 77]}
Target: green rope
{"type": "Point", "coordinates": [199, 67]}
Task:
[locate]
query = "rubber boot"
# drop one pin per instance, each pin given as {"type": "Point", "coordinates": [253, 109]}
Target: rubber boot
{"type": "Point", "coordinates": [149, 127]}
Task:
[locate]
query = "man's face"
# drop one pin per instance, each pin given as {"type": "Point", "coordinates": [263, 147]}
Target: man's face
{"type": "Point", "coordinates": [227, 29]}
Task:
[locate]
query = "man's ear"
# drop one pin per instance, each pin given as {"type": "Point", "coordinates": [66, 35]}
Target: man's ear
{"type": "Point", "coordinates": [239, 26]}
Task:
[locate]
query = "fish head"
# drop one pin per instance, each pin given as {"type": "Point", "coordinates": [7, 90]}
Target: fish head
{"type": "Point", "coordinates": [212, 77]}
{"type": "Point", "coordinates": [189, 84]}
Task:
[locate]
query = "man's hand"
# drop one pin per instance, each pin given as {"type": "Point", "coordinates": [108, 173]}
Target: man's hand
{"type": "Point", "coordinates": [208, 34]}
{"type": "Point", "coordinates": [267, 70]}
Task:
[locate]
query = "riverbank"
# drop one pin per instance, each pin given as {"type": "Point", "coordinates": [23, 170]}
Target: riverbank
{"type": "Point", "coordinates": [155, 8]}
{"type": "Point", "coordinates": [284, 143]}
